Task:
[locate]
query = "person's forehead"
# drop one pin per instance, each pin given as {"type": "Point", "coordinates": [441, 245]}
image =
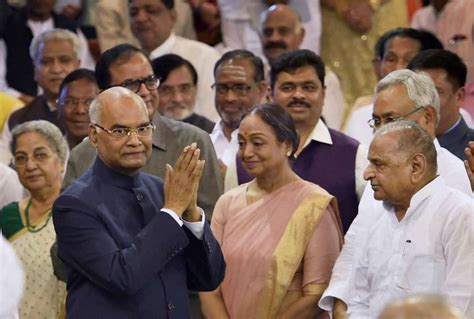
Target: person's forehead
{"type": "Point", "coordinates": [301, 74]}
{"type": "Point", "coordinates": [393, 99]}
{"type": "Point", "coordinates": [235, 69]}
{"type": "Point", "coordinates": [280, 18]}
{"type": "Point", "coordinates": [80, 87]}
{"type": "Point", "coordinates": [399, 43]}
{"type": "Point", "coordinates": [181, 74]}
{"type": "Point", "coordinates": [383, 146]}
{"type": "Point", "coordinates": [143, 3]}
{"type": "Point", "coordinates": [136, 66]}
{"type": "Point", "coordinates": [123, 109]}
{"type": "Point", "coordinates": [55, 47]}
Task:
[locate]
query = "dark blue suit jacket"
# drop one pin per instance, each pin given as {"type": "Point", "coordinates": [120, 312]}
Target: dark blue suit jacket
{"type": "Point", "coordinates": [456, 140]}
{"type": "Point", "coordinates": [124, 258]}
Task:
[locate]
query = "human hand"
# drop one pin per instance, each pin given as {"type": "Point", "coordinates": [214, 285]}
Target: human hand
{"type": "Point", "coordinates": [180, 181]}
{"type": "Point", "coordinates": [469, 162]}
{"type": "Point", "coordinates": [193, 213]}
{"type": "Point", "coordinates": [358, 15]}
{"type": "Point", "coordinates": [340, 310]}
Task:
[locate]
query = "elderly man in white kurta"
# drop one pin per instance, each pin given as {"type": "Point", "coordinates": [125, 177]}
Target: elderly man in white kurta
{"type": "Point", "coordinates": [401, 94]}
{"type": "Point", "coordinates": [422, 238]}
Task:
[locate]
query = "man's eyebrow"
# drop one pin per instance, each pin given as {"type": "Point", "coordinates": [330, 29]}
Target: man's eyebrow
{"type": "Point", "coordinates": [118, 125]}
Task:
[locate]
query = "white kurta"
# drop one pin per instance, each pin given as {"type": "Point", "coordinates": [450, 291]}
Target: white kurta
{"type": "Point", "coordinates": [431, 250]}
{"type": "Point", "coordinates": [450, 168]}
{"type": "Point", "coordinates": [226, 150]}
{"type": "Point", "coordinates": [10, 187]}
{"type": "Point", "coordinates": [203, 58]}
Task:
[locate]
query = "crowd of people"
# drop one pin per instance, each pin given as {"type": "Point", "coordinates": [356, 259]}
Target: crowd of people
{"type": "Point", "coordinates": [237, 159]}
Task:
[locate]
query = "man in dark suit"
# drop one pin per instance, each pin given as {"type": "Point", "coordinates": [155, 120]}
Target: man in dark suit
{"type": "Point", "coordinates": [448, 73]}
{"type": "Point", "coordinates": [132, 245]}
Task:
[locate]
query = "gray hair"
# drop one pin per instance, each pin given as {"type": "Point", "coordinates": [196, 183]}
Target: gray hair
{"type": "Point", "coordinates": [48, 130]}
{"type": "Point", "coordinates": [412, 138]}
{"type": "Point", "coordinates": [264, 15]}
{"type": "Point", "coordinates": [420, 87]}
{"type": "Point", "coordinates": [95, 109]}
{"type": "Point", "coordinates": [54, 34]}
{"type": "Point", "coordinates": [421, 306]}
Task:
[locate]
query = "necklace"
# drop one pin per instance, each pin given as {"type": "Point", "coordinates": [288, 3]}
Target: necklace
{"type": "Point", "coordinates": [32, 228]}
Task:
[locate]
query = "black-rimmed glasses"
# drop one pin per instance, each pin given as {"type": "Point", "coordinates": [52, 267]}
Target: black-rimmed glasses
{"type": "Point", "coordinates": [151, 82]}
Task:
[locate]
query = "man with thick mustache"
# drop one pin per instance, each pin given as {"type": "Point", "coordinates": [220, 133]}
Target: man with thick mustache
{"type": "Point", "coordinates": [281, 31]}
{"type": "Point", "coordinates": [324, 156]}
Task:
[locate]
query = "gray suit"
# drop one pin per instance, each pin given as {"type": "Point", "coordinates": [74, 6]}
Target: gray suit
{"type": "Point", "coordinates": [169, 139]}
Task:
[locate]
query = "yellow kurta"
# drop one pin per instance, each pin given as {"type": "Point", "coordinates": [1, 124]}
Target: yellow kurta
{"type": "Point", "coordinates": [350, 53]}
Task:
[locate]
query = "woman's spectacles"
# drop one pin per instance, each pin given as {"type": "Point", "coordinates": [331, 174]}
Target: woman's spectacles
{"type": "Point", "coordinates": [38, 157]}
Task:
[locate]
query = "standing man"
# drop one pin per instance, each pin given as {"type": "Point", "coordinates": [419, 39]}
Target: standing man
{"type": "Point", "coordinates": [154, 240]}
{"type": "Point", "coordinates": [448, 73]}
{"type": "Point", "coordinates": [325, 157]}
{"type": "Point", "coordinates": [127, 66]}
{"type": "Point", "coordinates": [239, 85]}
{"type": "Point", "coordinates": [152, 23]}
{"type": "Point", "coordinates": [77, 91]}
{"type": "Point", "coordinates": [177, 91]}
{"type": "Point", "coordinates": [55, 54]}
{"type": "Point", "coordinates": [422, 241]}
{"type": "Point", "coordinates": [402, 94]}
{"type": "Point", "coordinates": [281, 31]}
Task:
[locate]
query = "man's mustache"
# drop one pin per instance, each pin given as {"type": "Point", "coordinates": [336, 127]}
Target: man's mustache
{"type": "Point", "coordinates": [300, 102]}
{"type": "Point", "coordinates": [275, 45]}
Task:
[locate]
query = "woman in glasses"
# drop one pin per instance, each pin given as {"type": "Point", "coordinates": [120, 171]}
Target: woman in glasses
{"type": "Point", "coordinates": [280, 235]}
{"type": "Point", "coordinates": [40, 153]}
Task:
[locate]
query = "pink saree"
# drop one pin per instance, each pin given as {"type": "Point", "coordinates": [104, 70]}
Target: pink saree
{"type": "Point", "coordinates": [277, 249]}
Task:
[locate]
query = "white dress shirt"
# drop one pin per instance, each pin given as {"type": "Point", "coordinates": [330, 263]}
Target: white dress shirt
{"type": "Point", "coordinates": [203, 58]}
{"type": "Point", "coordinates": [226, 150]}
{"type": "Point", "coordinates": [358, 126]}
{"type": "Point", "coordinates": [431, 250]}
{"type": "Point", "coordinates": [197, 228]}
{"type": "Point", "coordinates": [10, 188]}
{"type": "Point", "coordinates": [450, 168]}
{"type": "Point", "coordinates": [320, 134]}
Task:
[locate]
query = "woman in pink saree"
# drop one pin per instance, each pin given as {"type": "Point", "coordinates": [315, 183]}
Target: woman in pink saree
{"type": "Point", "coordinates": [280, 235]}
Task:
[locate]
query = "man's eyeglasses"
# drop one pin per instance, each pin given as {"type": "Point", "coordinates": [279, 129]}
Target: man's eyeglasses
{"type": "Point", "coordinates": [240, 89]}
{"type": "Point", "coordinates": [119, 132]}
{"type": "Point", "coordinates": [71, 102]}
{"type": "Point", "coordinates": [151, 82]}
{"type": "Point", "coordinates": [377, 122]}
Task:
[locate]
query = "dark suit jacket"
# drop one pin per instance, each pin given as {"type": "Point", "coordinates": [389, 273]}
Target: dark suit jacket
{"type": "Point", "coordinates": [124, 258]}
{"type": "Point", "coordinates": [456, 140]}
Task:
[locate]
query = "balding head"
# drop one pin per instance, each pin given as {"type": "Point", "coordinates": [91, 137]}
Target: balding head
{"type": "Point", "coordinates": [281, 31]}
{"type": "Point", "coordinates": [120, 130]}
{"type": "Point", "coordinates": [421, 307]}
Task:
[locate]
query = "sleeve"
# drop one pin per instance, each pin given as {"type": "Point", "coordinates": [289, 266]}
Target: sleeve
{"type": "Point", "coordinates": [321, 254]}
{"type": "Point", "coordinates": [85, 244]}
{"type": "Point", "coordinates": [458, 243]}
{"type": "Point", "coordinates": [342, 277]}
{"type": "Point", "coordinates": [211, 184]}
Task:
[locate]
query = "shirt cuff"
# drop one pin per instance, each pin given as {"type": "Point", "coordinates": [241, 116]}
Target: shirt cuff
{"type": "Point", "coordinates": [197, 228]}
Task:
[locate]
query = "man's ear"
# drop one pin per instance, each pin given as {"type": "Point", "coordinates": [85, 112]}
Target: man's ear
{"type": "Point", "coordinates": [301, 36]}
{"type": "Point", "coordinates": [430, 115]}
{"type": "Point", "coordinates": [262, 88]}
{"type": "Point", "coordinates": [93, 135]}
{"type": "Point", "coordinates": [174, 15]}
{"type": "Point", "coordinates": [460, 95]}
{"type": "Point", "coordinates": [418, 167]}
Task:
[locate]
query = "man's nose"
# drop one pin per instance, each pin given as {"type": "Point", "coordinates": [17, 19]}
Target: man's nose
{"type": "Point", "coordinates": [368, 173]}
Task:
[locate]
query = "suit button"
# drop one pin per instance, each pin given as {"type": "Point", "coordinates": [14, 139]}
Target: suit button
{"type": "Point", "coordinates": [170, 306]}
{"type": "Point", "coordinates": [139, 196]}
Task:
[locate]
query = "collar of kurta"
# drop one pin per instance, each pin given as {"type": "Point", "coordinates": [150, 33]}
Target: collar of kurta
{"type": "Point", "coordinates": [110, 176]}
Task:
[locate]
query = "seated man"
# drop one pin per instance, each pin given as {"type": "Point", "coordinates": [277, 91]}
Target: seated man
{"type": "Point", "coordinates": [422, 239]}
{"type": "Point", "coordinates": [77, 91]}
{"type": "Point", "coordinates": [120, 231]}
{"type": "Point", "coordinates": [178, 88]}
